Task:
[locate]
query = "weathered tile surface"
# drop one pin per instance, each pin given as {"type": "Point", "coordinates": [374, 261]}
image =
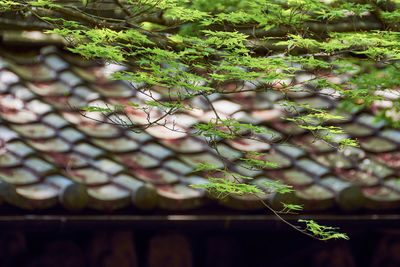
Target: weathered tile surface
{"type": "Point", "coordinates": [53, 154]}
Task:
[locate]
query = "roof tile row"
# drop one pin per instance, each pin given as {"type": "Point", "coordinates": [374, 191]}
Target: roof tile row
{"type": "Point", "coordinates": [51, 154]}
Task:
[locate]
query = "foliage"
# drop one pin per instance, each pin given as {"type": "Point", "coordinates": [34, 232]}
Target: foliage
{"type": "Point", "coordinates": [323, 232]}
{"type": "Point", "coordinates": [195, 48]}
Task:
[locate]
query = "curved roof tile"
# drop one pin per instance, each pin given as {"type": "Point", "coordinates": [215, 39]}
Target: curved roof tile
{"type": "Point", "coordinates": [52, 155]}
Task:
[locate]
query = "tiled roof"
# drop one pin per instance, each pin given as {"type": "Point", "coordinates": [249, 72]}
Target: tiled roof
{"type": "Point", "coordinates": [51, 155]}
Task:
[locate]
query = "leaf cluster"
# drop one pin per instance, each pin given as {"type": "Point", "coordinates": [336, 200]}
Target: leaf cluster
{"type": "Point", "coordinates": [189, 52]}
